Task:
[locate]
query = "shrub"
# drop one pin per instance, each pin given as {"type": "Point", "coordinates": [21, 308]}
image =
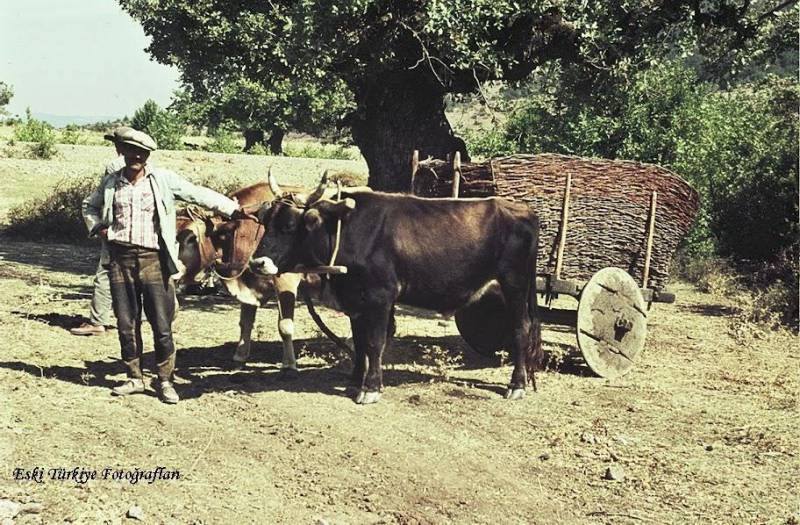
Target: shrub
{"type": "Point", "coordinates": [144, 116]}
{"type": "Point", "coordinates": [258, 149]}
{"type": "Point", "coordinates": [71, 135]}
{"type": "Point", "coordinates": [167, 130]}
{"type": "Point", "coordinates": [40, 134]}
{"type": "Point", "coordinates": [310, 150]}
{"type": "Point", "coordinates": [56, 216]}
{"type": "Point", "coordinates": [488, 143]}
{"type": "Point", "coordinates": [223, 142]}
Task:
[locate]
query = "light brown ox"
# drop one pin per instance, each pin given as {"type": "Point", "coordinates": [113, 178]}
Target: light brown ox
{"type": "Point", "coordinates": [205, 240]}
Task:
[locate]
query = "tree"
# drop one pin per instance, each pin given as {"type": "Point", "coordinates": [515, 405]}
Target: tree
{"type": "Point", "coordinates": [398, 60]}
{"type": "Point", "coordinates": [6, 93]}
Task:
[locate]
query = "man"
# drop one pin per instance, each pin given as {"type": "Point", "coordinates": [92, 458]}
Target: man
{"type": "Point", "coordinates": [100, 309]}
{"type": "Point", "coordinates": [133, 209]}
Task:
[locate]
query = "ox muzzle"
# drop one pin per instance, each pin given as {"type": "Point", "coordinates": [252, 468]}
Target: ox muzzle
{"type": "Point", "coordinates": [263, 266]}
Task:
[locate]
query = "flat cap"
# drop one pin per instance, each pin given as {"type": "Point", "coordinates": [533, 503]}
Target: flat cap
{"type": "Point", "coordinates": [137, 138]}
{"type": "Point", "coordinates": [116, 132]}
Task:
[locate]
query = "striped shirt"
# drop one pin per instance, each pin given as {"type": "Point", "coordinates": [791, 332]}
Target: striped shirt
{"type": "Point", "coordinates": [135, 218]}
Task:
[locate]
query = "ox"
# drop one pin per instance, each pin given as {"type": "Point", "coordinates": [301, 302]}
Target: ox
{"type": "Point", "coordinates": [206, 241]}
{"type": "Point", "coordinates": [438, 254]}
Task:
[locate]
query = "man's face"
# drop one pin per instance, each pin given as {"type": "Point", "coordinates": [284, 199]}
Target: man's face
{"type": "Point", "coordinates": [135, 158]}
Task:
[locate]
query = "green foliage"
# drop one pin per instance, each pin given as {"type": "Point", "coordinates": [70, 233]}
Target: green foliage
{"type": "Point", "coordinates": [6, 94]}
{"type": "Point", "coordinates": [312, 150]}
{"type": "Point", "coordinates": [741, 154]}
{"type": "Point", "coordinates": [165, 126]}
{"type": "Point", "coordinates": [40, 134]}
{"type": "Point", "coordinates": [258, 149]}
{"type": "Point", "coordinates": [488, 143]}
{"type": "Point", "coordinates": [167, 130]}
{"type": "Point", "coordinates": [143, 116]}
{"type": "Point", "coordinates": [56, 216]}
{"type": "Point", "coordinates": [71, 135]}
{"type": "Point", "coordinates": [223, 142]}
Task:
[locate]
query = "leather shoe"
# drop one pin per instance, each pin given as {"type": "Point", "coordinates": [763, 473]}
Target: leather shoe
{"type": "Point", "coordinates": [131, 386]}
{"type": "Point", "coordinates": [88, 329]}
{"type": "Point", "coordinates": [167, 393]}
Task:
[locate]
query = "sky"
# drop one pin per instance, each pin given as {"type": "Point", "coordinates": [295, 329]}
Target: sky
{"type": "Point", "coordinates": [78, 58]}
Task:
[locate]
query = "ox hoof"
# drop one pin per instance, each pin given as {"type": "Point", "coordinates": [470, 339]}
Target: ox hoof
{"type": "Point", "coordinates": [367, 398]}
{"type": "Point", "coordinates": [512, 394]}
{"type": "Point", "coordinates": [288, 374]}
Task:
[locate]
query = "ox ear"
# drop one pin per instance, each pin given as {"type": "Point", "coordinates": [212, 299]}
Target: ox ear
{"type": "Point", "coordinates": [337, 209]}
{"type": "Point", "coordinates": [313, 219]}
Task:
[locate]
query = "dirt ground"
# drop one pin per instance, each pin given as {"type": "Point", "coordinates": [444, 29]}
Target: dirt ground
{"type": "Point", "coordinates": [703, 430]}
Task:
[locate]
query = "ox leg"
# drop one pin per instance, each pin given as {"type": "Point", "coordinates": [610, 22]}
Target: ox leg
{"type": "Point", "coordinates": [286, 293]}
{"type": "Point", "coordinates": [247, 318]}
{"type": "Point", "coordinates": [370, 331]}
{"type": "Point", "coordinates": [287, 300]}
{"type": "Point", "coordinates": [517, 306]}
{"type": "Point", "coordinates": [359, 360]}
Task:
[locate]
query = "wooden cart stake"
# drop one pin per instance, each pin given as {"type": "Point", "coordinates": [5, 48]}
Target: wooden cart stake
{"type": "Point", "coordinates": [414, 168]}
{"type": "Point", "coordinates": [564, 218]}
{"type": "Point", "coordinates": [651, 223]}
{"type": "Point", "coordinates": [456, 174]}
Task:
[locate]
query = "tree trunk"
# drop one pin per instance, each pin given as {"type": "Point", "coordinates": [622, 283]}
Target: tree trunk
{"type": "Point", "coordinates": [397, 114]}
{"type": "Point", "coordinates": [253, 137]}
{"type": "Point", "coordinates": [275, 141]}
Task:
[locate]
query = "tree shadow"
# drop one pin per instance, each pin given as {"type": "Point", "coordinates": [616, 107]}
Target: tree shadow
{"type": "Point", "coordinates": [79, 259]}
{"type": "Point", "coordinates": [710, 310]}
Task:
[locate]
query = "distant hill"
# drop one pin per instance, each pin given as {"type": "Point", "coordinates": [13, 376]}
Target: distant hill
{"type": "Point", "coordinates": [59, 121]}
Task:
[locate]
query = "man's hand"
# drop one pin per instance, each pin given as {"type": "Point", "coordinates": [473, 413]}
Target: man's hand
{"type": "Point", "coordinates": [103, 233]}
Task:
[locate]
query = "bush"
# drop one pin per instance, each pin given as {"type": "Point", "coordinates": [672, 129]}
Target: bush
{"type": "Point", "coordinates": [56, 216]}
{"type": "Point", "coordinates": [258, 149]}
{"type": "Point", "coordinates": [167, 130]}
{"type": "Point", "coordinates": [223, 142]}
{"type": "Point", "coordinates": [41, 134]}
{"type": "Point", "coordinates": [488, 143]}
{"type": "Point", "coordinates": [71, 135]}
{"type": "Point", "coordinates": [144, 116]}
{"type": "Point", "coordinates": [164, 126]}
{"type": "Point", "coordinates": [310, 150]}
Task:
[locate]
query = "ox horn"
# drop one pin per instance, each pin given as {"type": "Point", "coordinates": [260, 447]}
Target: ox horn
{"type": "Point", "coordinates": [317, 195]}
{"type": "Point", "coordinates": [273, 184]}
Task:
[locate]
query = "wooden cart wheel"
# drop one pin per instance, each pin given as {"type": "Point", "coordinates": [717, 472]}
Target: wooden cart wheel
{"type": "Point", "coordinates": [484, 324]}
{"type": "Point", "coordinates": [612, 322]}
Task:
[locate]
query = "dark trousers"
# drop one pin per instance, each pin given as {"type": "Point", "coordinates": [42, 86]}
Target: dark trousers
{"type": "Point", "coordinates": [138, 280]}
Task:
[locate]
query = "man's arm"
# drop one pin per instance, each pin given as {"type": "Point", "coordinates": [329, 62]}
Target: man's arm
{"type": "Point", "coordinates": [186, 191]}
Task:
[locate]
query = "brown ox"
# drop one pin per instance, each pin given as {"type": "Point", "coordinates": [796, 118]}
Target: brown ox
{"type": "Point", "coordinates": [205, 240]}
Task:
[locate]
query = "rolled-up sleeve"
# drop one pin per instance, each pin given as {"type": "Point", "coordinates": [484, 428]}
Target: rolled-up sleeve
{"type": "Point", "coordinates": [192, 193]}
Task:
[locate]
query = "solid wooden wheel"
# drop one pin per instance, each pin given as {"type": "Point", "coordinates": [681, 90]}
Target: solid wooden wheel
{"type": "Point", "coordinates": [612, 322]}
{"type": "Point", "coordinates": [484, 324]}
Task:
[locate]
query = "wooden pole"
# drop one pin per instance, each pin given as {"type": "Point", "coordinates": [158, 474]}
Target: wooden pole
{"type": "Point", "coordinates": [651, 223]}
{"type": "Point", "coordinates": [564, 219]}
{"type": "Point", "coordinates": [414, 168]}
{"type": "Point", "coordinates": [456, 174]}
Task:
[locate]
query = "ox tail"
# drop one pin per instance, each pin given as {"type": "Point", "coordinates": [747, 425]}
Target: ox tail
{"type": "Point", "coordinates": [534, 357]}
{"type": "Point", "coordinates": [338, 341]}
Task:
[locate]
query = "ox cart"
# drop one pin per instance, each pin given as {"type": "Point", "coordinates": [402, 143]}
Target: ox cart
{"type": "Point", "coordinates": [609, 230]}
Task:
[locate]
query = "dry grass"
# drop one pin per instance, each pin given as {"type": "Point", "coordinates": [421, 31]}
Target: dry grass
{"type": "Point", "coordinates": [704, 428]}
